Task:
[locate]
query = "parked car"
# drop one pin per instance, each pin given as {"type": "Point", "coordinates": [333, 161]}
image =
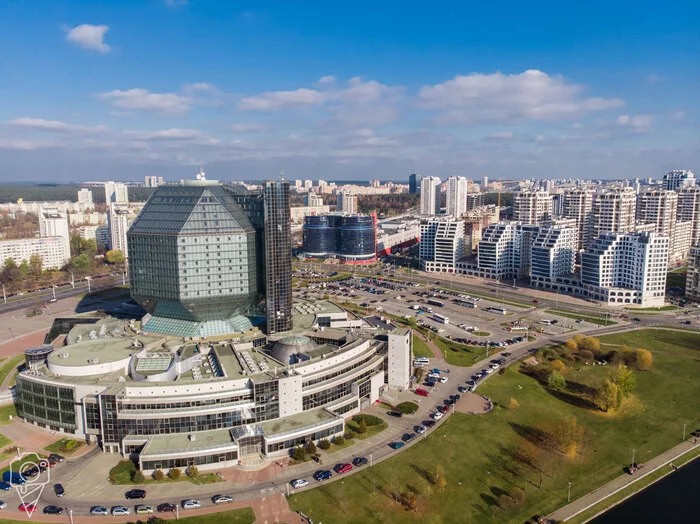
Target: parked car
{"type": "Point", "coordinates": [3, 504]}
{"type": "Point", "coordinates": [99, 510]}
{"type": "Point", "coordinates": [322, 474]}
{"type": "Point", "coordinates": [422, 392]}
{"type": "Point", "coordinates": [166, 507]}
{"type": "Point", "coordinates": [299, 483]}
{"type": "Point", "coordinates": [342, 468]}
{"type": "Point", "coordinates": [396, 414]}
{"type": "Point", "coordinates": [191, 504]}
{"type": "Point", "coordinates": [443, 380]}
{"type": "Point", "coordinates": [55, 457]}
{"type": "Point", "coordinates": [437, 415]}
{"type": "Point", "coordinates": [420, 429]}
{"type": "Point", "coordinates": [53, 510]}
{"type": "Point", "coordinates": [58, 489]}
{"type": "Point", "coordinates": [222, 499]}
{"type": "Point", "coordinates": [396, 445]}
{"type": "Point", "coordinates": [27, 508]}
{"type": "Point", "coordinates": [135, 494]}
{"type": "Point", "coordinates": [144, 509]}
{"type": "Point", "coordinates": [429, 423]}
{"type": "Point", "coordinates": [120, 511]}
{"type": "Point", "coordinates": [359, 461]}
{"type": "Point", "coordinates": [408, 437]}
{"type": "Point", "coordinates": [5, 486]}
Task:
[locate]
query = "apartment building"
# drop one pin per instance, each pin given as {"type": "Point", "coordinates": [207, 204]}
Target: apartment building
{"type": "Point", "coordinates": [456, 201]}
{"type": "Point", "coordinates": [553, 253]}
{"type": "Point", "coordinates": [614, 211]}
{"type": "Point", "coordinates": [430, 195]}
{"type": "Point", "coordinates": [578, 204]}
{"type": "Point", "coordinates": [678, 179]}
{"type": "Point", "coordinates": [441, 244]}
{"type": "Point", "coordinates": [533, 207]}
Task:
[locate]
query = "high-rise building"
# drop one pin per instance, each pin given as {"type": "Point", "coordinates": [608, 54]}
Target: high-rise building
{"type": "Point", "coordinates": [308, 184]}
{"type": "Point", "coordinates": [614, 211]}
{"type": "Point", "coordinates": [484, 184]}
{"type": "Point", "coordinates": [350, 238]}
{"type": "Point", "coordinates": [659, 207]}
{"type": "Point", "coordinates": [278, 256]}
{"type": "Point", "coordinates": [153, 181]}
{"type": "Point", "coordinates": [456, 202]}
{"type": "Point", "coordinates": [312, 200]}
{"type": "Point", "coordinates": [85, 196]}
{"type": "Point", "coordinates": [678, 179]}
{"type": "Point", "coordinates": [626, 268]}
{"type": "Point", "coordinates": [504, 250]}
{"type": "Point", "coordinates": [346, 203]}
{"type": "Point", "coordinates": [53, 223]}
{"type": "Point", "coordinates": [374, 183]}
{"type": "Point", "coordinates": [553, 253]}
{"type": "Point", "coordinates": [474, 200]}
{"type": "Point", "coordinates": [441, 243]}
{"type": "Point", "coordinates": [532, 207]}
{"type": "Point", "coordinates": [414, 183]}
{"type": "Point", "coordinates": [298, 184]}
{"type": "Point", "coordinates": [692, 281]}
{"type": "Point", "coordinates": [116, 192]}
{"type": "Point", "coordinates": [689, 210]}
{"type": "Point", "coordinates": [578, 204]}
{"type": "Point", "coordinates": [98, 233]}
{"type": "Point", "coordinates": [119, 220]}
{"type": "Point", "coordinates": [430, 196]}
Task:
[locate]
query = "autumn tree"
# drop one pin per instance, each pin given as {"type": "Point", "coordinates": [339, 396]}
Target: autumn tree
{"type": "Point", "coordinates": [115, 256]}
{"type": "Point", "coordinates": [558, 365]}
{"type": "Point", "coordinates": [439, 479]}
{"type": "Point", "coordinates": [624, 378]}
{"type": "Point", "coordinates": [36, 264]}
{"type": "Point", "coordinates": [591, 344]}
{"type": "Point", "coordinates": [513, 403]}
{"type": "Point", "coordinates": [556, 381]}
{"type": "Point", "coordinates": [81, 263]}
{"type": "Point", "coordinates": [607, 395]}
{"type": "Point", "coordinates": [569, 437]}
{"type": "Point", "coordinates": [644, 359]}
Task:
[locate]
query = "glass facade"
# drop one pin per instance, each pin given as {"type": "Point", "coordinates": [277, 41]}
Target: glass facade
{"type": "Point", "coordinates": [351, 238]}
{"type": "Point", "coordinates": [45, 404]}
{"type": "Point", "coordinates": [184, 462]}
{"type": "Point", "coordinates": [278, 256]}
{"type": "Point", "coordinates": [303, 439]}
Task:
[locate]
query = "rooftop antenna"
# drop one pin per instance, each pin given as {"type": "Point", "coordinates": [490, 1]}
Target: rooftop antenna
{"type": "Point", "coordinates": [201, 175]}
{"type": "Point", "coordinates": [282, 174]}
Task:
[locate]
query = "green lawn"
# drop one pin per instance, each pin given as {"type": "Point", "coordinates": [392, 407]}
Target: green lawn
{"type": "Point", "coordinates": [236, 516]}
{"type": "Point", "coordinates": [421, 349]}
{"type": "Point", "coordinates": [121, 475]}
{"type": "Point", "coordinates": [372, 430]}
{"type": "Point", "coordinates": [480, 456]}
{"type": "Point", "coordinates": [459, 354]}
{"type": "Point", "coordinates": [65, 446]}
{"type": "Point", "coordinates": [581, 316]}
{"type": "Point", "coordinates": [16, 465]}
{"type": "Point", "coordinates": [4, 441]}
{"type": "Point", "coordinates": [10, 366]}
{"type": "Point", "coordinates": [662, 308]}
{"type": "Point", "coordinates": [5, 412]}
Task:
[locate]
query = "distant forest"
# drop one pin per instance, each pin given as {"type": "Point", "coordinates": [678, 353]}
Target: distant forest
{"type": "Point", "coordinates": [45, 192]}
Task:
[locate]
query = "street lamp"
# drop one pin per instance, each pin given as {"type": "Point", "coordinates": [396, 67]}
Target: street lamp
{"type": "Point", "coordinates": [88, 281]}
{"type": "Point", "coordinates": [4, 296]}
{"type": "Point", "coordinates": [633, 457]}
{"type": "Point", "coordinates": [72, 278]}
{"type": "Point", "coordinates": [53, 288]}
{"type": "Point", "coordinates": [568, 499]}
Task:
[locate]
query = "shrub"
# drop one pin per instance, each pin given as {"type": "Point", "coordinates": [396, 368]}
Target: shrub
{"type": "Point", "coordinates": [558, 365]}
{"type": "Point", "coordinates": [591, 344]}
{"type": "Point", "coordinates": [137, 477]}
{"type": "Point", "coordinates": [311, 448]}
{"type": "Point", "coordinates": [556, 381]}
{"type": "Point", "coordinates": [192, 472]}
{"type": "Point", "coordinates": [505, 502]}
{"type": "Point", "coordinates": [407, 408]}
{"type": "Point", "coordinates": [158, 474]}
{"type": "Point", "coordinates": [408, 500]}
{"type": "Point", "coordinates": [174, 473]}
{"type": "Point", "coordinates": [339, 440]}
{"type": "Point", "coordinates": [370, 420]}
{"type": "Point", "coordinates": [518, 496]}
{"type": "Point", "coordinates": [644, 359]}
{"type": "Point", "coordinates": [349, 435]}
{"type": "Point", "coordinates": [513, 403]}
{"type": "Point", "coordinates": [324, 444]}
{"type": "Point", "coordinates": [362, 427]}
{"type": "Point", "coordinates": [586, 356]}
{"type": "Point", "coordinates": [299, 454]}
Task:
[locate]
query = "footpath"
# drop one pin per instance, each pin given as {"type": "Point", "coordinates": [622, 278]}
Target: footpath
{"type": "Point", "coordinates": [594, 497]}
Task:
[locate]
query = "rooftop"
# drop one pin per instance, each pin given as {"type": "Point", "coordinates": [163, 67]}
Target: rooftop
{"type": "Point", "coordinates": [181, 441]}
{"type": "Point", "coordinates": [298, 421]}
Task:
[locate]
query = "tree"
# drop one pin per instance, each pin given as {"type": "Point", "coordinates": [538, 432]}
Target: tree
{"type": "Point", "coordinates": [137, 477]}
{"type": "Point", "coordinates": [409, 500]}
{"type": "Point", "coordinates": [591, 344]}
{"type": "Point", "coordinates": [559, 366]}
{"type": "Point", "coordinates": [505, 502]}
{"type": "Point", "coordinates": [362, 427]}
{"type": "Point", "coordinates": [192, 471]}
{"type": "Point", "coordinates": [324, 443]}
{"type": "Point", "coordinates": [644, 359]}
{"type": "Point", "coordinates": [24, 269]}
{"type": "Point", "coordinates": [79, 246]}
{"type": "Point", "coordinates": [298, 454]}
{"type": "Point", "coordinates": [571, 345]}
{"type": "Point", "coordinates": [115, 256]}
{"type": "Point", "coordinates": [518, 496]}
{"type": "Point", "coordinates": [513, 403]}
{"type": "Point", "coordinates": [569, 437]}
{"type": "Point", "coordinates": [174, 473]}
{"type": "Point", "coordinates": [36, 264]}
{"type": "Point", "coordinates": [158, 474]}
{"type": "Point", "coordinates": [81, 263]}
{"type": "Point", "coordinates": [556, 381]}
{"type": "Point", "coordinates": [607, 395]}
{"type": "Point", "coordinates": [439, 479]}
{"type": "Point", "coordinates": [624, 379]}
{"type": "Point", "coordinates": [311, 448]}
{"type": "Point", "coordinates": [339, 440]}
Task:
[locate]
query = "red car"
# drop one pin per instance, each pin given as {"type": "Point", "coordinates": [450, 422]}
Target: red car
{"type": "Point", "coordinates": [342, 468]}
{"type": "Point", "coordinates": [29, 508]}
{"type": "Point", "coordinates": [422, 392]}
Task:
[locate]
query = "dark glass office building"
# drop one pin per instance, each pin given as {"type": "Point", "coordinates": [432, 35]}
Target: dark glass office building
{"type": "Point", "coordinates": [414, 180]}
{"type": "Point", "coordinates": [351, 238]}
{"type": "Point", "coordinates": [278, 256]}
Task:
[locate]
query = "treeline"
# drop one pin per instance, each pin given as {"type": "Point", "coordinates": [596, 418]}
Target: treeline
{"type": "Point", "coordinates": [47, 192]}
{"type": "Point", "coordinates": [492, 199]}
{"type": "Point", "coordinates": [387, 204]}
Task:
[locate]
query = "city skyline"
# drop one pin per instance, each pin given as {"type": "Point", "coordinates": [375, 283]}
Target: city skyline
{"type": "Point", "coordinates": [251, 90]}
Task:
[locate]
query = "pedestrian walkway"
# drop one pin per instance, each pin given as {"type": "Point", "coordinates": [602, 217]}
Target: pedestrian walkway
{"type": "Point", "coordinates": [594, 497]}
{"type": "Point", "coordinates": [430, 343]}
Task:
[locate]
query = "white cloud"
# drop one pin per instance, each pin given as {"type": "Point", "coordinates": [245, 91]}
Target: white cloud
{"type": "Point", "coordinates": [89, 37]}
{"type": "Point", "coordinates": [636, 122]}
{"type": "Point", "coordinates": [27, 145]}
{"type": "Point", "coordinates": [277, 100]}
{"type": "Point", "coordinates": [165, 134]}
{"type": "Point", "coordinates": [142, 99]}
{"type": "Point", "coordinates": [678, 116]}
{"type": "Point", "coordinates": [652, 79]}
{"type": "Point", "coordinates": [532, 95]}
{"type": "Point", "coordinates": [201, 86]}
{"type": "Point", "coordinates": [501, 135]}
{"type": "Point", "coordinates": [328, 79]}
{"type": "Point", "coordinates": [53, 125]}
{"type": "Point", "coordinates": [252, 127]}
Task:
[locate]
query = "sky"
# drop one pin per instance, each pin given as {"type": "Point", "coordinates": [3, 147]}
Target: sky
{"type": "Point", "coordinates": [107, 90]}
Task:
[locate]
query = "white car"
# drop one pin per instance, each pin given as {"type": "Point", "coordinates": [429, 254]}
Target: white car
{"type": "Point", "coordinates": [3, 504]}
{"type": "Point", "coordinates": [421, 429]}
{"type": "Point", "coordinates": [222, 499]}
{"type": "Point", "coordinates": [120, 511]}
{"type": "Point", "coordinates": [495, 366]}
{"type": "Point", "coordinates": [191, 504]}
{"type": "Point", "coordinates": [443, 380]}
{"type": "Point", "coordinates": [437, 415]}
{"type": "Point", "coordinates": [99, 510]}
{"type": "Point", "coordinates": [434, 375]}
{"type": "Point", "coordinates": [299, 483]}
{"type": "Point", "coordinates": [489, 370]}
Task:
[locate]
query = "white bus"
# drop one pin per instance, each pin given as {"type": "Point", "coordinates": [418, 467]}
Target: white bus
{"type": "Point", "coordinates": [497, 310]}
{"type": "Point", "coordinates": [441, 318]}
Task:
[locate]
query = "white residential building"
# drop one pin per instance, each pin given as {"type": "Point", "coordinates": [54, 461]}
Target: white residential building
{"type": "Point", "coordinates": [116, 192]}
{"type": "Point", "coordinates": [692, 282]}
{"type": "Point", "coordinates": [313, 200]}
{"type": "Point", "coordinates": [503, 251]}
{"type": "Point", "coordinates": [85, 196]}
{"type": "Point", "coordinates": [578, 204]}
{"type": "Point", "coordinates": [689, 210]}
{"type": "Point", "coordinates": [400, 342]}
{"type": "Point", "coordinates": [346, 203]}
{"type": "Point", "coordinates": [553, 254]}
{"type": "Point", "coordinates": [441, 243]}
{"type": "Point", "coordinates": [484, 184]}
{"type": "Point", "coordinates": [99, 234]}
{"type": "Point", "coordinates": [614, 211]}
{"type": "Point", "coordinates": [456, 196]}
{"type": "Point", "coordinates": [678, 179]}
{"type": "Point", "coordinates": [119, 222]}
{"type": "Point", "coordinates": [54, 251]}
{"type": "Point", "coordinates": [308, 184]}
{"type": "Point", "coordinates": [91, 219]}
{"type": "Point", "coordinates": [430, 195]}
{"type": "Point", "coordinates": [533, 207]}
{"type": "Point", "coordinates": [626, 268]}
{"type": "Point", "coordinates": [660, 207]}
{"type": "Point", "coordinates": [53, 223]}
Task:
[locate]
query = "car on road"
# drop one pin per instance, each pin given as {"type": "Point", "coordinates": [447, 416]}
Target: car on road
{"type": "Point", "coordinates": [166, 507]}
{"type": "Point", "coordinates": [462, 389]}
{"type": "Point", "coordinates": [3, 504]}
{"type": "Point", "coordinates": [322, 474]}
{"type": "Point", "coordinates": [299, 483]}
{"type": "Point", "coordinates": [143, 509]}
{"type": "Point", "coordinates": [396, 414]}
{"type": "Point", "coordinates": [5, 486]}
{"type": "Point", "coordinates": [53, 510]}
{"type": "Point", "coordinates": [408, 437]}
{"type": "Point", "coordinates": [222, 499]}
{"type": "Point", "coordinates": [443, 380]}
{"type": "Point", "coordinates": [420, 429]}
{"type": "Point", "coordinates": [359, 461]}
{"type": "Point", "coordinates": [55, 457]}
{"type": "Point", "coordinates": [437, 415]}
{"type": "Point", "coordinates": [495, 366]}
{"type": "Point", "coordinates": [99, 510]}
{"type": "Point", "coordinates": [396, 445]}
{"type": "Point", "coordinates": [59, 490]}
{"type": "Point", "coordinates": [120, 511]}
{"type": "Point", "coordinates": [135, 494]}
{"type": "Point", "coordinates": [342, 468]}
{"type": "Point", "coordinates": [191, 504]}
{"type": "Point", "coordinates": [28, 508]}
{"type": "Point", "coordinates": [505, 354]}
{"type": "Point", "coordinates": [488, 370]}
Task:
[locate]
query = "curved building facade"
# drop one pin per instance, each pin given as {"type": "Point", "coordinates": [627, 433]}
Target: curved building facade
{"type": "Point", "coordinates": [350, 238]}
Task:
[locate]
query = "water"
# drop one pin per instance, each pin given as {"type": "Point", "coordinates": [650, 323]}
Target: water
{"type": "Point", "coordinates": [671, 500]}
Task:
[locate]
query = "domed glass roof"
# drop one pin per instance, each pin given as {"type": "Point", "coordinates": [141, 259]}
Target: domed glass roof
{"type": "Point", "coordinates": [295, 340]}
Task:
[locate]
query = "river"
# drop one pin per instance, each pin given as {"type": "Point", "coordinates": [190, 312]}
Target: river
{"type": "Point", "coordinates": [675, 499]}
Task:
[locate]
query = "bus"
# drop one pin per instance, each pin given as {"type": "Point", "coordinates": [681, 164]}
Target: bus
{"type": "Point", "coordinates": [434, 302]}
{"type": "Point", "coordinates": [441, 318]}
{"type": "Point", "coordinates": [466, 304]}
{"type": "Point", "coordinates": [497, 310]}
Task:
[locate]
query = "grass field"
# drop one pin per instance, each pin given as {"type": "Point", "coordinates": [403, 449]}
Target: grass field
{"type": "Point", "coordinates": [236, 516]}
{"type": "Point", "coordinates": [580, 316]}
{"type": "Point", "coordinates": [10, 366]}
{"type": "Point", "coordinates": [65, 446]}
{"type": "Point", "coordinates": [5, 412]}
{"type": "Point", "coordinates": [421, 349]}
{"type": "Point", "coordinates": [459, 354]}
{"type": "Point", "coordinates": [4, 441]}
{"type": "Point", "coordinates": [16, 465]}
{"type": "Point", "coordinates": [480, 454]}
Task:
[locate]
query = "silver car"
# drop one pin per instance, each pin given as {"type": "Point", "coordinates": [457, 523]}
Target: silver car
{"type": "Point", "coordinates": [191, 504]}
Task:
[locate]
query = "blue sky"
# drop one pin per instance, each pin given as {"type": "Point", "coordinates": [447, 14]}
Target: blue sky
{"type": "Point", "coordinates": [340, 90]}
